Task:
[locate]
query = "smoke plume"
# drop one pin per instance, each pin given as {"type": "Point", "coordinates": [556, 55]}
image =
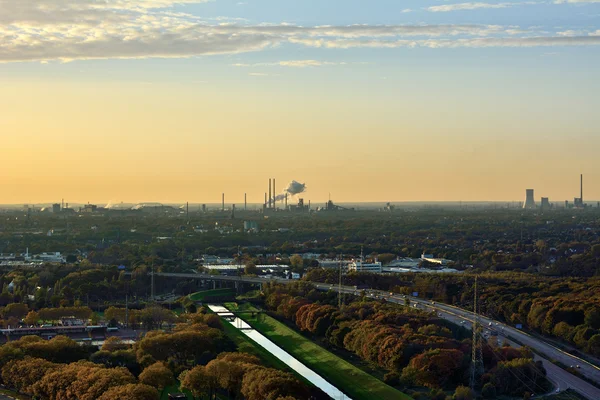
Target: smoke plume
{"type": "Point", "coordinates": [294, 188]}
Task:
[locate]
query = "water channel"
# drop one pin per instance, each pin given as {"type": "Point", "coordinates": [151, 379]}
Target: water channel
{"type": "Point", "coordinates": [278, 352]}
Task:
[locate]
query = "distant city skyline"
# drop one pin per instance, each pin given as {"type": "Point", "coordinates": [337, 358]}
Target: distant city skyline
{"type": "Point", "coordinates": [317, 196]}
{"type": "Point", "coordinates": [420, 100]}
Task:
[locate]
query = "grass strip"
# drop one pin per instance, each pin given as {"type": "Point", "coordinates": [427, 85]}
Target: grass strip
{"type": "Point", "coordinates": [355, 382]}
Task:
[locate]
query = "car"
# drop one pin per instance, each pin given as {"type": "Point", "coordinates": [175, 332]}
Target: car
{"type": "Point", "coordinates": [577, 366]}
{"type": "Point", "coordinates": [391, 293]}
{"type": "Point", "coordinates": [439, 314]}
{"type": "Point", "coordinates": [462, 322]}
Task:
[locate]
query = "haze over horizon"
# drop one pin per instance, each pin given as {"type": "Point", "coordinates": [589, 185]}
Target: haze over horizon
{"type": "Point", "coordinates": [171, 101]}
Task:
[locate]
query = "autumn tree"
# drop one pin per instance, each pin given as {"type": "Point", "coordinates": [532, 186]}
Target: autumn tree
{"type": "Point", "coordinates": [157, 375]}
{"type": "Point", "coordinates": [269, 384]}
{"type": "Point", "coordinates": [199, 381]}
{"type": "Point", "coordinates": [114, 343]}
{"type": "Point", "coordinates": [22, 374]}
{"type": "Point", "coordinates": [131, 391]}
{"type": "Point", "coordinates": [32, 318]}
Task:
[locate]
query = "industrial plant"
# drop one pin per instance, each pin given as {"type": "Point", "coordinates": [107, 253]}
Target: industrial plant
{"type": "Point", "coordinates": [545, 204]}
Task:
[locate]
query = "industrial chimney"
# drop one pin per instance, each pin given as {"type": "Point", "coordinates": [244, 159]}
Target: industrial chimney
{"type": "Point", "coordinates": [529, 199]}
{"type": "Point", "coordinates": [581, 189]}
{"type": "Point", "coordinates": [269, 193]}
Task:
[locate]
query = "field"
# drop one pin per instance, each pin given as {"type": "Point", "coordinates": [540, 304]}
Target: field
{"type": "Point", "coordinates": [357, 384]}
{"type": "Point", "coordinates": [215, 293]}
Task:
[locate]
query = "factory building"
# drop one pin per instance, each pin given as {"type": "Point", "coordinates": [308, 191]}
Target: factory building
{"type": "Point", "coordinates": [361, 266]}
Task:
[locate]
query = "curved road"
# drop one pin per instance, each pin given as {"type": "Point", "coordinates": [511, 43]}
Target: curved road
{"type": "Point", "coordinates": [560, 377]}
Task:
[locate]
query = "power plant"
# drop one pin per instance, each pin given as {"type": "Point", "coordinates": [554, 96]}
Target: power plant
{"type": "Point", "coordinates": [578, 202]}
{"type": "Point", "coordinates": [529, 200]}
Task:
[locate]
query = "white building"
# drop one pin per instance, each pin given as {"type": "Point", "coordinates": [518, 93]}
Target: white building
{"type": "Point", "coordinates": [361, 266]}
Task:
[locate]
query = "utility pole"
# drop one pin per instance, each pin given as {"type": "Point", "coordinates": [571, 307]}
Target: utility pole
{"type": "Point", "coordinates": [152, 284]}
{"type": "Point", "coordinates": [340, 283]}
{"type": "Point", "coordinates": [477, 352]}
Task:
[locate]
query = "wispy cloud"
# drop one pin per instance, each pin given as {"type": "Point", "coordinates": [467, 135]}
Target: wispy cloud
{"type": "Point", "coordinates": [575, 1]}
{"type": "Point", "coordinates": [290, 63]}
{"type": "Point", "coordinates": [476, 6]}
{"type": "Point", "coordinates": [45, 30]}
{"type": "Point", "coordinates": [449, 43]}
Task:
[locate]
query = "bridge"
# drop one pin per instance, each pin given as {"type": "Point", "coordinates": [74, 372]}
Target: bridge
{"type": "Point", "coordinates": [545, 351]}
{"type": "Point", "coordinates": [219, 281]}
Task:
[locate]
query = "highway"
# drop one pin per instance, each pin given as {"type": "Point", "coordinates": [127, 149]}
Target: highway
{"type": "Point", "coordinates": [560, 377]}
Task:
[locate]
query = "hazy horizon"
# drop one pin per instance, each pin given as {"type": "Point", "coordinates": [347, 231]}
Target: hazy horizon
{"type": "Point", "coordinates": [172, 100]}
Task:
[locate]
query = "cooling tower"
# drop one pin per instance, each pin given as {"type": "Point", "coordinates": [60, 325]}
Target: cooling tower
{"type": "Point", "coordinates": [529, 199]}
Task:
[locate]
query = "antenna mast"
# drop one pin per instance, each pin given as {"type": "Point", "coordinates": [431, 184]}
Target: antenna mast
{"type": "Point", "coordinates": [477, 352]}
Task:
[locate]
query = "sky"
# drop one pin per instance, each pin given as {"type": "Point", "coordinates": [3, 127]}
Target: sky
{"type": "Point", "coordinates": [381, 100]}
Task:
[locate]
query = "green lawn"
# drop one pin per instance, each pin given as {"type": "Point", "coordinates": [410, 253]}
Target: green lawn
{"type": "Point", "coordinates": [355, 382]}
{"type": "Point", "coordinates": [200, 296]}
{"type": "Point", "coordinates": [14, 394]}
{"type": "Point", "coordinates": [247, 345]}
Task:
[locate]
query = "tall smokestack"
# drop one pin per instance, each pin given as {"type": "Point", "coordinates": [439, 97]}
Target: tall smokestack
{"type": "Point", "coordinates": [286, 196]}
{"type": "Point", "coordinates": [223, 202]}
{"type": "Point", "coordinates": [274, 194]}
{"type": "Point", "coordinates": [581, 189]}
{"type": "Point", "coordinates": [245, 201]}
{"type": "Point", "coordinates": [269, 192]}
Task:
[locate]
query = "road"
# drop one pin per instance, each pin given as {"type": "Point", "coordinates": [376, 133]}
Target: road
{"type": "Point", "coordinates": [560, 377]}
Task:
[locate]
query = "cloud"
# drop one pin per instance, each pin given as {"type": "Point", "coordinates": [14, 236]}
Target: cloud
{"type": "Point", "coordinates": [290, 63]}
{"type": "Point", "coordinates": [67, 30]}
{"type": "Point", "coordinates": [477, 6]}
{"type": "Point", "coordinates": [541, 41]}
{"type": "Point", "coordinates": [257, 74]}
{"type": "Point", "coordinates": [575, 1]}
{"type": "Point", "coordinates": [467, 6]}
{"type": "Point", "coordinates": [569, 33]}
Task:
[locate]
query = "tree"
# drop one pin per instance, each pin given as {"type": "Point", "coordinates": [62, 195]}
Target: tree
{"type": "Point", "coordinates": [250, 269]}
{"type": "Point", "coordinates": [463, 393]}
{"type": "Point", "coordinates": [23, 374]}
{"type": "Point", "coordinates": [131, 391]}
{"type": "Point", "coordinates": [297, 263]}
{"type": "Point", "coordinates": [91, 384]}
{"type": "Point", "coordinates": [198, 381]}
{"type": "Point", "coordinates": [114, 343]}
{"type": "Point", "coordinates": [157, 375]}
{"type": "Point", "coordinates": [592, 317]}
{"type": "Point", "coordinates": [269, 384]}
{"type": "Point", "coordinates": [15, 310]}
{"type": "Point", "coordinates": [32, 318]}
{"type": "Point", "coordinates": [488, 391]}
